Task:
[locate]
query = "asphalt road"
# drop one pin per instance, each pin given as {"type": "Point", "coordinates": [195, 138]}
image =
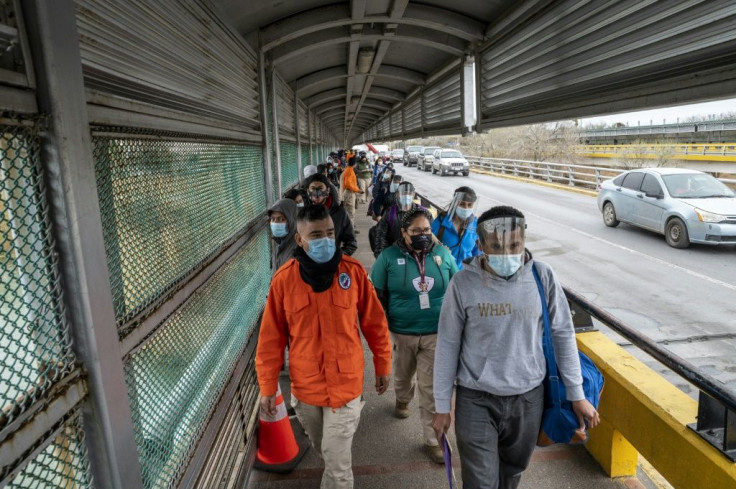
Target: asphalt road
{"type": "Point", "coordinates": [682, 299]}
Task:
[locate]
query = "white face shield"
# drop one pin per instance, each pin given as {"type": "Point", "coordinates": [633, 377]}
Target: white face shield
{"type": "Point", "coordinates": [405, 195]}
{"type": "Point", "coordinates": [463, 205]}
{"type": "Point", "coordinates": [502, 235]}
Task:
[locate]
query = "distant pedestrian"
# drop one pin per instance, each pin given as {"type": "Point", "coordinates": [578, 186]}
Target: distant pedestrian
{"type": "Point", "coordinates": [456, 228]}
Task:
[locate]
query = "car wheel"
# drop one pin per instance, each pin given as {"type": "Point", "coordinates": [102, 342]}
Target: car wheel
{"type": "Point", "coordinates": [676, 233]}
{"type": "Point", "coordinates": [609, 215]}
{"type": "Point", "coordinates": [442, 172]}
{"type": "Point", "coordinates": [466, 173]}
{"type": "Point", "coordinates": [434, 172]}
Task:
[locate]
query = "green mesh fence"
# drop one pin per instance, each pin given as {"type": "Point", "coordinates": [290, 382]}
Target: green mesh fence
{"type": "Point", "coordinates": [175, 379]}
{"type": "Point", "coordinates": [167, 206]}
{"type": "Point", "coordinates": [34, 344]}
{"type": "Point", "coordinates": [305, 155]}
{"type": "Point", "coordinates": [62, 464]}
{"type": "Point", "coordinates": [289, 168]}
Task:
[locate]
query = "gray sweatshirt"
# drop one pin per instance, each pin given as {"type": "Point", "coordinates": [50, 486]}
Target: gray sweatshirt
{"type": "Point", "coordinates": [490, 334]}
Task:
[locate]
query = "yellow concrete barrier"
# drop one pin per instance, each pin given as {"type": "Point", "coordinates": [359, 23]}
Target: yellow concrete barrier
{"type": "Point", "coordinates": [643, 412]}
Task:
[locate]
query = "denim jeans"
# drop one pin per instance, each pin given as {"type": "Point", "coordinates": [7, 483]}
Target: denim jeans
{"type": "Point", "coordinates": [496, 436]}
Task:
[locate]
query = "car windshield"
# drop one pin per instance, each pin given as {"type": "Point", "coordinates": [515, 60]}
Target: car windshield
{"type": "Point", "coordinates": [414, 149]}
{"type": "Point", "coordinates": [429, 151]}
{"type": "Point", "coordinates": [695, 186]}
{"type": "Point", "coordinates": [397, 152]}
{"type": "Point", "coordinates": [452, 154]}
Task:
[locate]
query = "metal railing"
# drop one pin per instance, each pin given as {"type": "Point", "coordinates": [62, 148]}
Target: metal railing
{"type": "Point", "coordinates": [685, 127]}
{"type": "Point", "coordinates": [582, 176]}
{"type": "Point", "coordinates": [670, 150]}
{"type": "Point", "coordinates": [716, 405]}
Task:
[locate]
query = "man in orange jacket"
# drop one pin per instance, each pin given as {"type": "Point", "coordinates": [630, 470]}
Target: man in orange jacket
{"type": "Point", "coordinates": [350, 189]}
{"type": "Point", "coordinates": [316, 303]}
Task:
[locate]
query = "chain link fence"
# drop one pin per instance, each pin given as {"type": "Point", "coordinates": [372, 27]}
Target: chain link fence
{"type": "Point", "coordinates": [175, 379]}
{"type": "Point", "coordinates": [289, 168]}
{"type": "Point", "coordinates": [35, 345]}
{"type": "Point", "coordinates": [167, 206]}
{"type": "Point", "coordinates": [61, 464]}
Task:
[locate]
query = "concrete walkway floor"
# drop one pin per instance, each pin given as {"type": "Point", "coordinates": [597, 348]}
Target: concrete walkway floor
{"type": "Point", "coordinates": [388, 452]}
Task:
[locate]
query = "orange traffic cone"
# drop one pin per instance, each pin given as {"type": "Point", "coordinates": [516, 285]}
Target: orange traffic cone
{"type": "Point", "coordinates": [278, 450]}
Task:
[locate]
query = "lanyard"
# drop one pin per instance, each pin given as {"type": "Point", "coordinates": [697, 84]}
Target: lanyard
{"type": "Point", "coordinates": [422, 270]}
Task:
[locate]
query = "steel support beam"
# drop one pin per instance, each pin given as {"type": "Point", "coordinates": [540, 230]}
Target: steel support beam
{"type": "Point", "coordinates": [263, 93]}
{"type": "Point", "coordinates": [276, 142]}
{"type": "Point", "coordinates": [298, 139]}
{"type": "Point", "coordinates": [323, 18]}
{"type": "Point", "coordinates": [410, 35]}
{"type": "Point", "coordinates": [313, 80]}
{"type": "Point", "coordinates": [77, 227]}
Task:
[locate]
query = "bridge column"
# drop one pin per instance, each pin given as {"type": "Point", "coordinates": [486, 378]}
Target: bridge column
{"type": "Point", "coordinates": [69, 168]}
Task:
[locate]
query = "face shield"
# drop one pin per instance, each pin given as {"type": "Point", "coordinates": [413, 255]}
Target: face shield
{"type": "Point", "coordinates": [502, 235]}
{"type": "Point", "coordinates": [463, 205]}
{"type": "Point", "coordinates": [405, 196]}
{"type": "Point", "coordinates": [502, 241]}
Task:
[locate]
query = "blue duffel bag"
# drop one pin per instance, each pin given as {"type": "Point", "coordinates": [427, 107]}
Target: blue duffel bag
{"type": "Point", "coordinates": [559, 422]}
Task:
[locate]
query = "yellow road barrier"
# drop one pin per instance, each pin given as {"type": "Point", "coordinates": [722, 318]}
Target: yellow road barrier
{"type": "Point", "coordinates": [643, 412]}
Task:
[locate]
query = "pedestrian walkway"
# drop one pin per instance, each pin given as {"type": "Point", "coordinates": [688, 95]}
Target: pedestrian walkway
{"type": "Point", "coordinates": [388, 452]}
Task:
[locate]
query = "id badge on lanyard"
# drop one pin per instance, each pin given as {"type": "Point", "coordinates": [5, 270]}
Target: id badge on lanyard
{"type": "Point", "coordinates": [424, 294]}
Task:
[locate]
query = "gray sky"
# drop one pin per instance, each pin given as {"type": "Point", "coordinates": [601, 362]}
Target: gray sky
{"type": "Point", "coordinates": [669, 114]}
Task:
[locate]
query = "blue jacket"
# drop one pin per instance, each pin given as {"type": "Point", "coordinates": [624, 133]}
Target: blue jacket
{"type": "Point", "coordinates": [460, 249]}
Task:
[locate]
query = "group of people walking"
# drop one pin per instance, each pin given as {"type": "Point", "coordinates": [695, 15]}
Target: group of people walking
{"type": "Point", "coordinates": [450, 310]}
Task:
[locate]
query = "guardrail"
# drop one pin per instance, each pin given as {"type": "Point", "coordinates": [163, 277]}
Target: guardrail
{"type": "Point", "coordinates": [716, 408]}
{"type": "Point", "coordinates": [583, 176]}
{"type": "Point", "coordinates": [655, 150]}
{"type": "Point", "coordinates": [685, 127]}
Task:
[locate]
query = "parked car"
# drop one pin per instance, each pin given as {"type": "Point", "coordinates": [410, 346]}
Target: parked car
{"type": "Point", "coordinates": [397, 155]}
{"type": "Point", "coordinates": [424, 159]}
{"type": "Point", "coordinates": [448, 161]}
{"type": "Point", "coordinates": [411, 154]}
{"type": "Point", "coordinates": [687, 206]}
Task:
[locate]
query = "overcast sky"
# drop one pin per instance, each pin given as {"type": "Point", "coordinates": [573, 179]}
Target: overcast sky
{"type": "Point", "coordinates": [669, 114]}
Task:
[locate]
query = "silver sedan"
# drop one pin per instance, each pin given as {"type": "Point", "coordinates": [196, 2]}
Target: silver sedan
{"type": "Point", "coordinates": [687, 206]}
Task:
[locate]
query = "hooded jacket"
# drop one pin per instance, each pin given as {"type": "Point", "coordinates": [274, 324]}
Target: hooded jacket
{"type": "Point", "coordinates": [285, 246]}
{"type": "Point", "coordinates": [388, 229]}
{"type": "Point", "coordinates": [490, 334]}
{"type": "Point", "coordinates": [344, 232]}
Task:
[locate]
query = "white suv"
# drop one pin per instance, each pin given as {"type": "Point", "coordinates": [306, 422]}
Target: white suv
{"type": "Point", "coordinates": [425, 158]}
{"type": "Point", "coordinates": [448, 161]}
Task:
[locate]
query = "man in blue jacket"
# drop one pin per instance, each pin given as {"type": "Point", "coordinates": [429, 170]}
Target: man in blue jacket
{"type": "Point", "coordinates": [456, 228]}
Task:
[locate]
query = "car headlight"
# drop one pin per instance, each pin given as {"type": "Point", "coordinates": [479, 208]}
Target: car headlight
{"type": "Point", "coordinates": [704, 216]}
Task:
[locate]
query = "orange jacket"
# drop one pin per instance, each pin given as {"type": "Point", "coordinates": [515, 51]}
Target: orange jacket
{"type": "Point", "coordinates": [325, 351]}
{"type": "Point", "coordinates": [349, 180]}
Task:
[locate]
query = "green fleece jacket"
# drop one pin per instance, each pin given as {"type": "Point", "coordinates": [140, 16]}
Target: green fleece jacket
{"type": "Point", "coordinates": [395, 275]}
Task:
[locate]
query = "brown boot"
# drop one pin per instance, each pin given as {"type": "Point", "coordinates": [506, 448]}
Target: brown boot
{"type": "Point", "coordinates": [435, 454]}
{"type": "Point", "coordinates": [402, 410]}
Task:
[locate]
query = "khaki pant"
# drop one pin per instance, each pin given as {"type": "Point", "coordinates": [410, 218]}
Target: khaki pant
{"type": "Point", "coordinates": [415, 355]}
{"type": "Point", "coordinates": [331, 433]}
{"type": "Point", "coordinates": [365, 195]}
{"type": "Point", "coordinates": [350, 199]}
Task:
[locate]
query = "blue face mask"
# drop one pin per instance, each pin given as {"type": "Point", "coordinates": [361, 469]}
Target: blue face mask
{"type": "Point", "coordinates": [406, 200]}
{"type": "Point", "coordinates": [463, 213]}
{"type": "Point", "coordinates": [321, 250]}
{"type": "Point", "coordinates": [279, 229]}
{"type": "Point", "coordinates": [505, 265]}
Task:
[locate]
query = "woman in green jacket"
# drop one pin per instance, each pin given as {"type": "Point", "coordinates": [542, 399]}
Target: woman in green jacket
{"type": "Point", "coordinates": [411, 277]}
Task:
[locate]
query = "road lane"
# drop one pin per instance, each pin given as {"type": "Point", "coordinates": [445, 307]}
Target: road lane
{"type": "Point", "coordinates": [684, 299]}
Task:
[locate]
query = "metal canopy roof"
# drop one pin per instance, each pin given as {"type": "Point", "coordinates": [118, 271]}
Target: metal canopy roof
{"type": "Point", "coordinates": [388, 69]}
{"type": "Point", "coordinates": [350, 62]}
